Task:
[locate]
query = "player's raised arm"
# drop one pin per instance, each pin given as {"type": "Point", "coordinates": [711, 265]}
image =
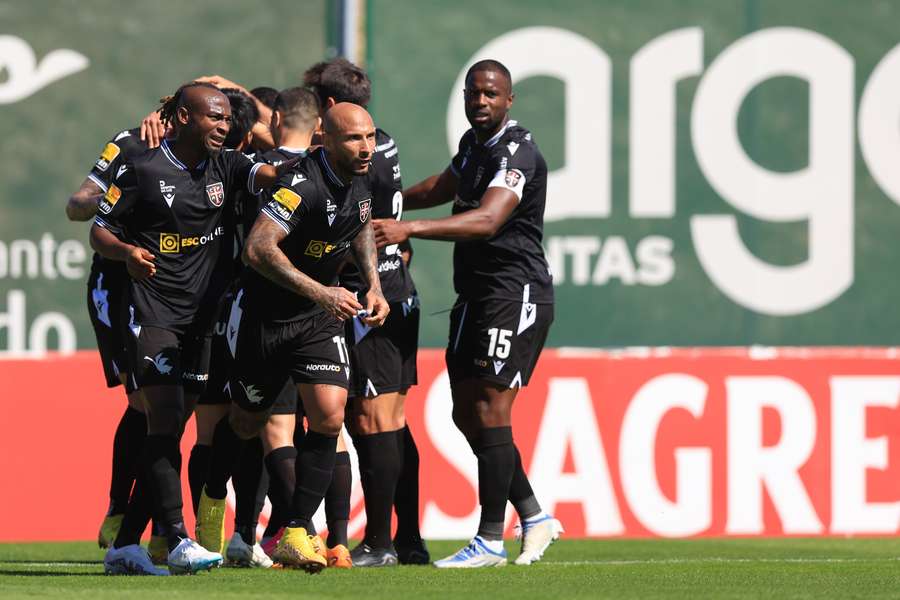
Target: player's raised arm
{"type": "Point", "coordinates": [366, 255]}
{"type": "Point", "coordinates": [263, 254]}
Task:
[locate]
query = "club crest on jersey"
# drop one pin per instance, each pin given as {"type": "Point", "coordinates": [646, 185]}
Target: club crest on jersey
{"type": "Point", "coordinates": [108, 155]}
{"type": "Point", "coordinates": [364, 208]}
{"type": "Point", "coordinates": [512, 178]}
{"type": "Point", "coordinates": [109, 199]}
{"type": "Point", "coordinates": [216, 193]}
{"type": "Point", "coordinates": [285, 202]}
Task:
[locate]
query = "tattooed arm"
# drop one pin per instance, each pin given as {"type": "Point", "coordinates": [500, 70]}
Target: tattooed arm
{"type": "Point", "coordinates": [262, 253]}
{"type": "Point", "coordinates": [82, 205]}
{"type": "Point", "coordinates": [367, 261]}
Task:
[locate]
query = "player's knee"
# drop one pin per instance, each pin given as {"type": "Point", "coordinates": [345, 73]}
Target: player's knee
{"type": "Point", "coordinates": [329, 424]}
{"type": "Point", "coordinates": [247, 425]}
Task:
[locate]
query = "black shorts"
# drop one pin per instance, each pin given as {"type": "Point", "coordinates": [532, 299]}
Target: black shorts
{"type": "Point", "coordinates": [107, 307]}
{"type": "Point", "coordinates": [311, 350]}
{"type": "Point", "coordinates": [383, 359]}
{"type": "Point", "coordinates": [221, 364]}
{"type": "Point", "coordinates": [496, 340]}
{"type": "Point", "coordinates": [165, 357]}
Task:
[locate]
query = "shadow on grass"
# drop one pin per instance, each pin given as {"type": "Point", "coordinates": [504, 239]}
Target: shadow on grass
{"type": "Point", "coordinates": [36, 573]}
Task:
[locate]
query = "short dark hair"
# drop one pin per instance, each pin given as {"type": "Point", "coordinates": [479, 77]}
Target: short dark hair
{"type": "Point", "coordinates": [490, 65]}
{"type": "Point", "coordinates": [171, 104]}
{"type": "Point", "coordinates": [340, 79]}
{"type": "Point", "coordinates": [265, 94]}
{"type": "Point", "coordinates": [299, 108]}
{"type": "Point", "coordinates": [243, 115]}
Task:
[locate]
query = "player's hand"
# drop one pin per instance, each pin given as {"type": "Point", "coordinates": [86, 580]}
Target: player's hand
{"type": "Point", "coordinates": [377, 308]}
{"type": "Point", "coordinates": [153, 130]}
{"type": "Point", "coordinates": [221, 82]}
{"type": "Point", "coordinates": [140, 264]}
{"type": "Point", "coordinates": [339, 303]}
{"type": "Point", "coordinates": [390, 231]}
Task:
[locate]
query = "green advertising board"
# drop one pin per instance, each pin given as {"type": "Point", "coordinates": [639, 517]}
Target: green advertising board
{"type": "Point", "coordinates": [723, 171]}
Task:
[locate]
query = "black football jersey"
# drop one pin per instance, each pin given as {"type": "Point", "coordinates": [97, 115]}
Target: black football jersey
{"type": "Point", "coordinates": [387, 203]}
{"type": "Point", "coordinates": [180, 216]}
{"type": "Point", "coordinates": [123, 144]}
{"type": "Point", "coordinates": [510, 265]}
{"type": "Point", "coordinates": [322, 217]}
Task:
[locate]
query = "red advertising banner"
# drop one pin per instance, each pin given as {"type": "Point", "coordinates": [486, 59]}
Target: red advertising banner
{"type": "Point", "coordinates": [642, 443]}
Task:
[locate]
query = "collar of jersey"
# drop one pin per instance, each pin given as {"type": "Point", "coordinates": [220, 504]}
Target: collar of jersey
{"type": "Point", "coordinates": [500, 133]}
{"type": "Point", "coordinates": [331, 174]}
{"type": "Point", "coordinates": [293, 150]}
{"type": "Point", "coordinates": [174, 160]}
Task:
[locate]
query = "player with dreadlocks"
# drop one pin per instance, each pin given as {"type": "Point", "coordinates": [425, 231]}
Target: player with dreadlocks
{"type": "Point", "coordinates": [173, 202]}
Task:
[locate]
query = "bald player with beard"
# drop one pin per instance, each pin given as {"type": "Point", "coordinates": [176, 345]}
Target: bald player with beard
{"type": "Point", "coordinates": [290, 311]}
{"type": "Point", "coordinates": [164, 216]}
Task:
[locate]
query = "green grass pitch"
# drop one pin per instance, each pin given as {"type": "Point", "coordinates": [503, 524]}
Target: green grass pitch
{"type": "Point", "coordinates": [785, 568]}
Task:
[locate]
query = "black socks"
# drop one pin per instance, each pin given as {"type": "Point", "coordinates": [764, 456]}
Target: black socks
{"type": "Point", "coordinates": [379, 470]}
{"type": "Point", "coordinates": [406, 496]}
{"type": "Point", "coordinates": [198, 471]}
{"type": "Point", "coordinates": [313, 475]}
{"type": "Point", "coordinates": [280, 463]}
{"type": "Point", "coordinates": [227, 447]}
{"type": "Point", "coordinates": [496, 465]}
{"type": "Point", "coordinates": [127, 446]}
{"type": "Point", "coordinates": [247, 479]}
{"type": "Point", "coordinates": [337, 500]}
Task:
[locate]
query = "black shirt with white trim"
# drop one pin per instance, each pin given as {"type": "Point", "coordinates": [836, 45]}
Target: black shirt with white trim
{"type": "Point", "coordinates": [180, 216]}
{"type": "Point", "coordinates": [510, 265]}
{"type": "Point", "coordinates": [387, 203]}
{"type": "Point", "coordinates": [122, 145]}
{"type": "Point", "coordinates": [322, 217]}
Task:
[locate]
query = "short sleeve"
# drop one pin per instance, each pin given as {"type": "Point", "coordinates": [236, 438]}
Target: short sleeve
{"type": "Point", "coordinates": [285, 205]}
{"type": "Point", "coordinates": [114, 208]}
{"type": "Point", "coordinates": [112, 157]}
{"type": "Point", "coordinates": [241, 170]}
{"type": "Point", "coordinates": [513, 165]}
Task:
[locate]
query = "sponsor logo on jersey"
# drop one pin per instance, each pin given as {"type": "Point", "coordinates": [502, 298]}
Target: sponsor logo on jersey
{"type": "Point", "coordinates": [108, 155]}
{"type": "Point", "coordinates": [216, 194]}
{"type": "Point", "coordinates": [171, 243]}
{"type": "Point", "coordinates": [513, 146]}
{"type": "Point", "coordinates": [195, 376]}
{"type": "Point", "coordinates": [364, 209]}
{"type": "Point", "coordinates": [512, 178]}
{"type": "Point", "coordinates": [318, 248]}
{"type": "Point", "coordinates": [167, 191]}
{"type": "Point", "coordinates": [109, 199]}
{"type": "Point", "coordinates": [498, 366]}
{"type": "Point", "coordinates": [330, 210]}
{"type": "Point", "coordinates": [389, 265]}
{"type": "Point", "coordinates": [285, 202]}
{"type": "Point", "coordinates": [121, 170]}
{"type": "Point", "coordinates": [332, 368]}
{"type": "Point", "coordinates": [297, 178]}
{"type": "Point", "coordinates": [124, 134]}
{"type": "Point", "coordinates": [396, 169]}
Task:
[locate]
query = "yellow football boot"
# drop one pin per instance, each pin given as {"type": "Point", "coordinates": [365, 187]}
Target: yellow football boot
{"type": "Point", "coordinates": [109, 529]}
{"type": "Point", "coordinates": [295, 549]}
{"type": "Point", "coordinates": [211, 523]}
{"type": "Point", "coordinates": [319, 546]}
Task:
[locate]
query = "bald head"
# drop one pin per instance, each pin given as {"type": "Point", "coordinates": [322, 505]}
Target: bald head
{"type": "Point", "coordinates": [349, 139]}
{"type": "Point", "coordinates": [203, 116]}
{"type": "Point", "coordinates": [345, 116]}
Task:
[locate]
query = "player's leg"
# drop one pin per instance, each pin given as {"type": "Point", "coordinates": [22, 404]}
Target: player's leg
{"type": "Point", "coordinates": [375, 422]}
{"type": "Point", "coordinates": [324, 408]}
{"type": "Point", "coordinates": [206, 416]}
{"type": "Point", "coordinates": [280, 459]}
{"type": "Point", "coordinates": [337, 508]}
